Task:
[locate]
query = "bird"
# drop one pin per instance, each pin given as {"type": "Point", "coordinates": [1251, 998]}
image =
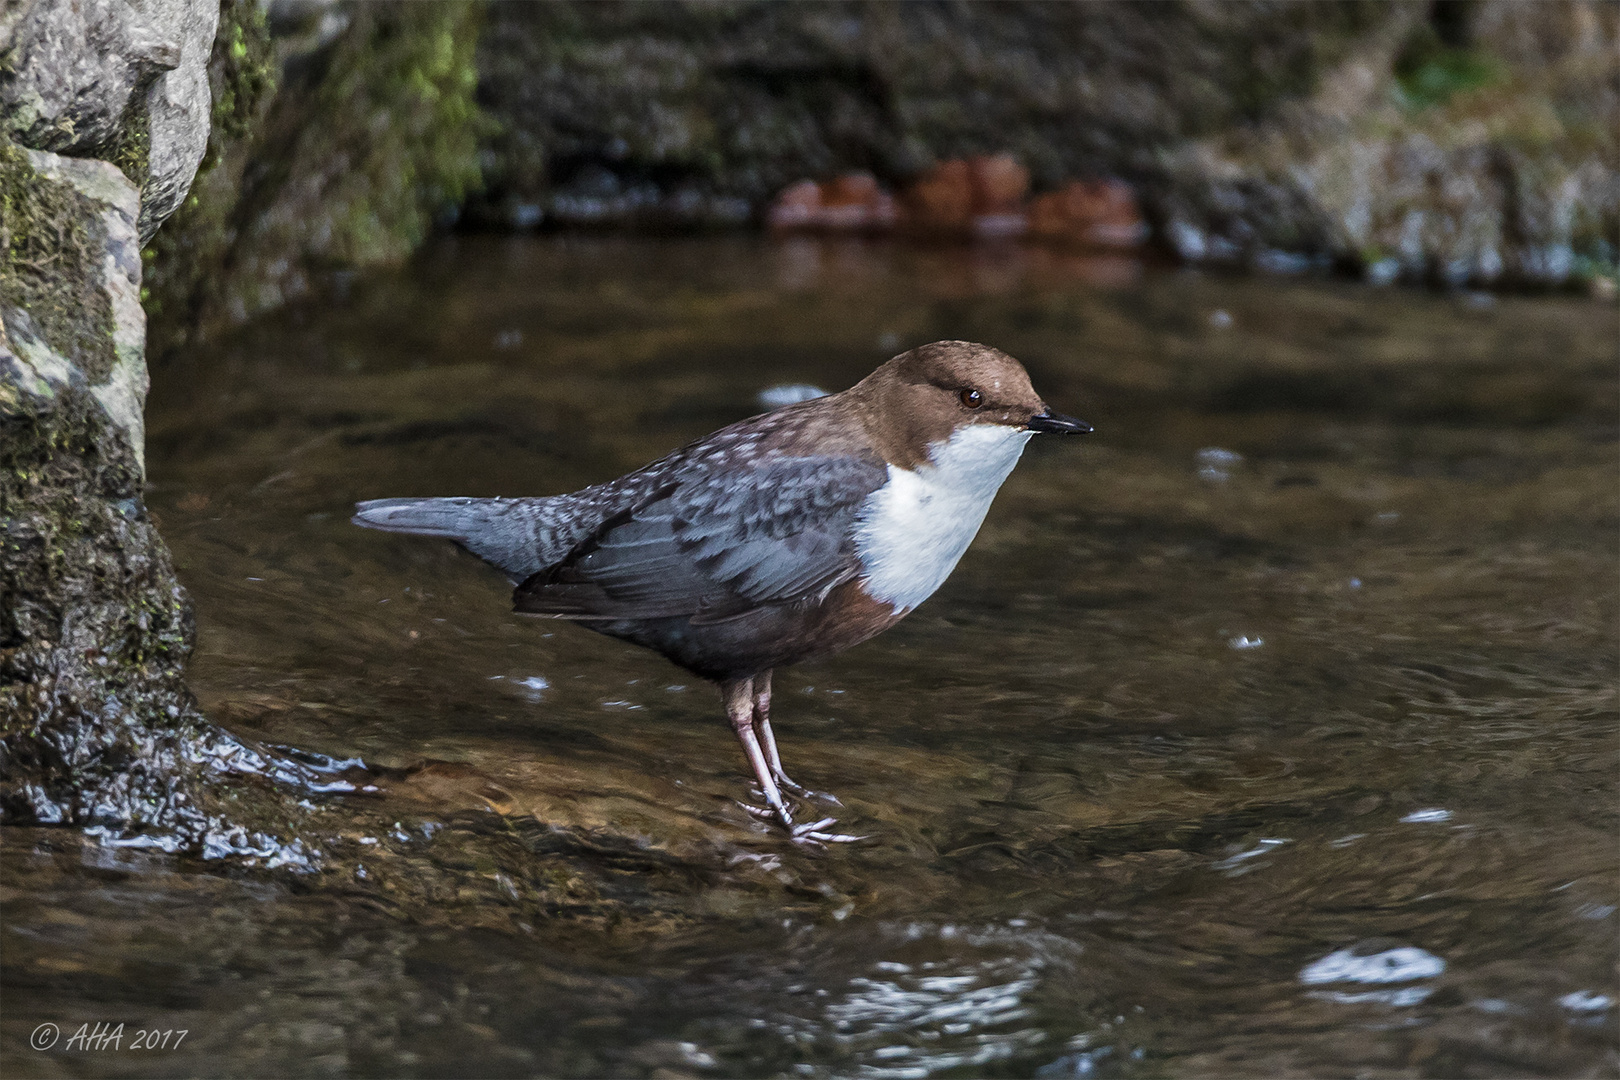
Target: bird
{"type": "Point", "coordinates": [784, 537]}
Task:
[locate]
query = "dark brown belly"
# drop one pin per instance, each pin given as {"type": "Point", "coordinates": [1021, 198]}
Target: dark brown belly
{"type": "Point", "coordinates": [767, 637]}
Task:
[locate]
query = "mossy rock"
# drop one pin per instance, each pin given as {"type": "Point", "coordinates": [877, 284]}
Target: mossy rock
{"type": "Point", "coordinates": [51, 251]}
{"type": "Point", "coordinates": [346, 161]}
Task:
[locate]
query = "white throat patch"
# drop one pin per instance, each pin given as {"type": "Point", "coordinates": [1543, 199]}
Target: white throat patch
{"type": "Point", "coordinates": [914, 528]}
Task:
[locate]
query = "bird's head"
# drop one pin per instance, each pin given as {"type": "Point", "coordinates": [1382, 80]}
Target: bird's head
{"type": "Point", "coordinates": [924, 398]}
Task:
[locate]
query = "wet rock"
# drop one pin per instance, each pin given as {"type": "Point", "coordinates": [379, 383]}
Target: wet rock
{"type": "Point", "coordinates": [95, 629]}
{"type": "Point", "coordinates": [97, 726]}
{"type": "Point", "coordinates": [110, 80]}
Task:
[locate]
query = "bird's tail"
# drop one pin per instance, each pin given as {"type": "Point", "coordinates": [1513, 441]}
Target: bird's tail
{"type": "Point", "coordinates": [507, 533]}
{"type": "Point", "coordinates": [448, 518]}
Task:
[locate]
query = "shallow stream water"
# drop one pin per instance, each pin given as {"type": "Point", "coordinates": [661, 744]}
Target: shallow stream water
{"type": "Point", "coordinates": [1271, 730]}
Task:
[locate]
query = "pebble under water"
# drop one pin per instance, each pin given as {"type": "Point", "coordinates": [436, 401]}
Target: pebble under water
{"type": "Point", "coordinates": [1270, 730]}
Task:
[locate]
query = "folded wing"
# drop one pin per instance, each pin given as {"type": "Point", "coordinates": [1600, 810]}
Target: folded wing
{"type": "Point", "coordinates": [711, 544]}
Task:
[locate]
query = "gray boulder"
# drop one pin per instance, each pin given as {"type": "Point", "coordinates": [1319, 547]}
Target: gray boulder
{"type": "Point", "coordinates": [113, 80]}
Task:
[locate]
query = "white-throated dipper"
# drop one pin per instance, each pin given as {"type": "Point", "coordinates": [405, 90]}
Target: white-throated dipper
{"type": "Point", "coordinates": [790, 535]}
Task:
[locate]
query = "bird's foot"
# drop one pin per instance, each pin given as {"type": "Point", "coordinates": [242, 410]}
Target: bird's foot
{"type": "Point", "coordinates": [814, 832]}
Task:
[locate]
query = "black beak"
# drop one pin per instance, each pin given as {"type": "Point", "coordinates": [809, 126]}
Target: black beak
{"type": "Point", "coordinates": [1058, 424]}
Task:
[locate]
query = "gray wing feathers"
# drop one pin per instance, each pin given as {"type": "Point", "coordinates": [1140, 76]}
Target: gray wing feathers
{"type": "Point", "coordinates": [788, 532]}
{"type": "Point", "coordinates": [715, 543]}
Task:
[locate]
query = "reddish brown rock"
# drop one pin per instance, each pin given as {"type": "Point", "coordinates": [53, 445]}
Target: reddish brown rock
{"type": "Point", "coordinates": [854, 202]}
{"type": "Point", "coordinates": [941, 200]}
{"type": "Point", "coordinates": [980, 196]}
{"type": "Point", "coordinates": [1000, 185]}
{"type": "Point", "coordinates": [1102, 213]}
{"type": "Point", "coordinates": [795, 206]}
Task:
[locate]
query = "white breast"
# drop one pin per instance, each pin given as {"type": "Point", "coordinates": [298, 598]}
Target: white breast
{"type": "Point", "coordinates": [914, 528]}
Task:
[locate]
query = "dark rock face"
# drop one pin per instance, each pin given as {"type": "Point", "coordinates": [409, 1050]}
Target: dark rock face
{"type": "Point", "coordinates": [684, 111]}
{"type": "Point", "coordinates": [1452, 143]}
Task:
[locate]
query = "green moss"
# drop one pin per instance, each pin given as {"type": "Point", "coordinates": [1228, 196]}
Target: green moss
{"type": "Point", "coordinates": [77, 563]}
{"type": "Point", "coordinates": [1438, 78]}
{"type": "Point", "coordinates": [400, 88]}
{"type": "Point", "coordinates": [50, 263]}
{"type": "Point", "coordinates": [1430, 71]}
{"type": "Point", "coordinates": [350, 164]}
{"type": "Point", "coordinates": [242, 75]}
{"type": "Point", "coordinates": [193, 244]}
{"type": "Point", "coordinates": [134, 152]}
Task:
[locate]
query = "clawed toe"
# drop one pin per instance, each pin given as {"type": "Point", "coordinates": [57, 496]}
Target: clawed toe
{"type": "Point", "coordinates": [813, 832]}
{"type": "Point", "coordinates": [819, 838]}
{"type": "Point", "coordinates": [748, 707]}
{"type": "Point", "coordinates": [765, 813]}
{"type": "Point", "coordinates": [816, 832]}
{"type": "Point", "coordinates": [805, 793]}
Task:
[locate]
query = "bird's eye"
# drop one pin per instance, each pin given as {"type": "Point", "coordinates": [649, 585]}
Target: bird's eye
{"type": "Point", "coordinates": [971, 398]}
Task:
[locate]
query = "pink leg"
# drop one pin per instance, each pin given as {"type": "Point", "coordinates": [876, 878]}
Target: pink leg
{"type": "Point", "coordinates": [762, 728]}
{"type": "Point", "coordinates": [767, 741]}
{"type": "Point", "coordinates": [739, 699]}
